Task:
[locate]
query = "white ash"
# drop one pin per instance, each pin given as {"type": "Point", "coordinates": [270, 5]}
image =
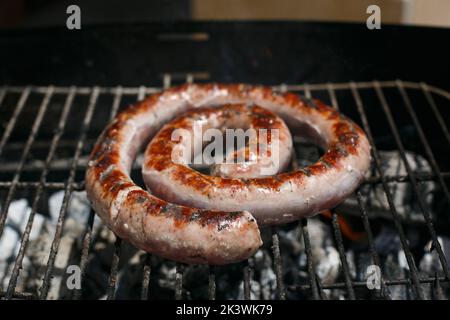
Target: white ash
{"type": "Point", "coordinates": [292, 240]}
{"type": "Point", "coordinates": [40, 240]}
{"type": "Point", "coordinates": [403, 195]}
{"type": "Point", "coordinates": [402, 261]}
{"type": "Point", "coordinates": [350, 257]}
{"type": "Point", "coordinates": [37, 253]}
{"type": "Point", "coordinates": [17, 219]}
{"type": "Point", "coordinates": [430, 266]}
{"type": "Point", "coordinates": [255, 291]}
{"type": "Point", "coordinates": [395, 264]}
{"type": "Point", "coordinates": [327, 264]}
{"type": "Point", "coordinates": [324, 255]}
{"type": "Point", "coordinates": [268, 281]}
{"type": "Point", "coordinates": [394, 271]}
{"type": "Point", "coordinates": [168, 280]}
{"type": "Point", "coordinates": [319, 233]}
{"type": "Point", "coordinates": [262, 263]}
{"type": "Point", "coordinates": [78, 208]}
{"type": "Point", "coordinates": [75, 223]}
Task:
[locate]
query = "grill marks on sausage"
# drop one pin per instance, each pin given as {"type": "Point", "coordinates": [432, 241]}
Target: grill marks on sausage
{"type": "Point", "coordinates": [347, 142]}
{"type": "Point", "coordinates": [181, 215]}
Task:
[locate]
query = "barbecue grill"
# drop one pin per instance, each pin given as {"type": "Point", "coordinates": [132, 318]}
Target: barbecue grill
{"type": "Point", "coordinates": [397, 220]}
{"type": "Point", "coordinates": [49, 131]}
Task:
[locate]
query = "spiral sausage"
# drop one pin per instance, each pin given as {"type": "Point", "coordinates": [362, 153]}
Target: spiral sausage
{"type": "Point", "coordinates": [194, 235]}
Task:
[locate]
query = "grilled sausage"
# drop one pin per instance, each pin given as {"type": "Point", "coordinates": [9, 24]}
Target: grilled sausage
{"type": "Point", "coordinates": [278, 199]}
{"type": "Point", "coordinates": [193, 235]}
{"type": "Point", "coordinates": [264, 143]}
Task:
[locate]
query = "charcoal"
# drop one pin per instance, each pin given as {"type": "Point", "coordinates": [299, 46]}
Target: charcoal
{"type": "Point", "coordinates": [404, 198]}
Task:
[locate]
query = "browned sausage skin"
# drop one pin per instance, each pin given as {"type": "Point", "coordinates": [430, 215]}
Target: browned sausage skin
{"type": "Point", "coordinates": [198, 235]}
{"type": "Point", "coordinates": [265, 142]}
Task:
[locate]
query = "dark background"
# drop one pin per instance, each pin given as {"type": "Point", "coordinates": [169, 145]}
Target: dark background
{"type": "Point", "coordinates": [139, 45]}
{"type": "Point", "coordinates": [259, 52]}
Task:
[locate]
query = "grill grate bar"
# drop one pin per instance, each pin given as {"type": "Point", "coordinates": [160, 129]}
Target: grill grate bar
{"type": "Point", "coordinates": [373, 252]}
{"type": "Point", "coordinates": [426, 91]}
{"type": "Point", "coordinates": [67, 194]}
{"type": "Point", "coordinates": [76, 186]}
{"type": "Point", "coordinates": [363, 284]}
{"type": "Point", "coordinates": [247, 275]}
{"type": "Point", "coordinates": [376, 158]}
{"type": "Point", "coordinates": [323, 295]}
{"type": "Point", "coordinates": [116, 102]}
{"type": "Point", "coordinates": [283, 87]}
{"type": "Point", "coordinates": [3, 91]}
{"type": "Point", "coordinates": [332, 95]}
{"type": "Point", "coordinates": [85, 91]}
{"type": "Point", "coordinates": [357, 85]}
{"type": "Point", "coordinates": [34, 130]}
{"type": "Point", "coordinates": [25, 237]}
{"type": "Point", "coordinates": [87, 238]}
{"type": "Point", "coordinates": [20, 295]}
{"type": "Point", "coordinates": [310, 264]}
{"type": "Point", "coordinates": [281, 293]}
{"type": "Point", "coordinates": [211, 283]}
{"type": "Point", "coordinates": [438, 291]}
{"type": "Point", "coordinates": [112, 281]}
{"type": "Point", "coordinates": [146, 276]}
{"type": "Point", "coordinates": [44, 144]}
{"type": "Point", "coordinates": [342, 256]}
{"type": "Point", "coordinates": [12, 121]}
{"type": "Point", "coordinates": [424, 208]}
{"type": "Point", "coordinates": [141, 93]}
{"type": "Point", "coordinates": [179, 281]}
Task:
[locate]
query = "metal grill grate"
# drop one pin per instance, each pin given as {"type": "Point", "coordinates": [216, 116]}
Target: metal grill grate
{"type": "Point", "coordinates": [20, 174]}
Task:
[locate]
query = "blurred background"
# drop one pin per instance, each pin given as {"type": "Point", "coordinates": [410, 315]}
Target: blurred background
{"type": "Point", "coordinates": [36, 13]}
